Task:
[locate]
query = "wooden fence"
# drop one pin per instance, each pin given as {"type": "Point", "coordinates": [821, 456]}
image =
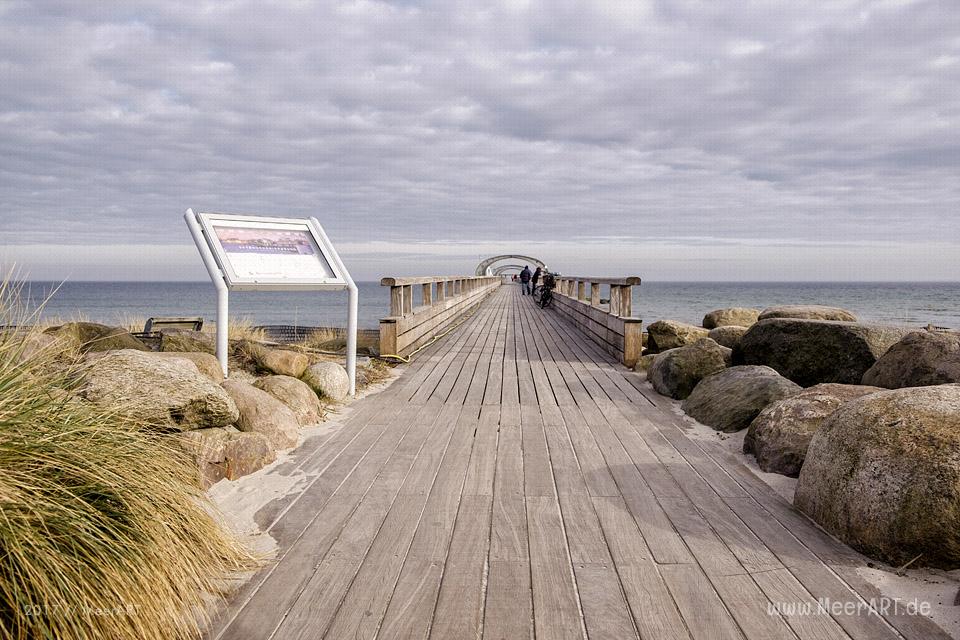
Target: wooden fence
{"type": "Point", "coordinates": [610, 323]}
{"type": "Point", "coordinates": [443, 299]}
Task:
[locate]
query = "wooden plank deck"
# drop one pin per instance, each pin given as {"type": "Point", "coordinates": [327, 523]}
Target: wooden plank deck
{"type": "Point", "coordinates": [515, 482]}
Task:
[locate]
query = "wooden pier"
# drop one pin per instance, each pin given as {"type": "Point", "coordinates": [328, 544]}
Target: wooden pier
{"type": "Point", "coordinates": [518, 482]}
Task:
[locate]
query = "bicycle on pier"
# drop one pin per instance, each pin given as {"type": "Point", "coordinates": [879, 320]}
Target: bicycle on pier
{"type": "Point", "coordinates": [543, 294]}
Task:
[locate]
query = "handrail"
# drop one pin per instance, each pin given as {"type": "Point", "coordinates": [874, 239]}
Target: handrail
{"type": "Point", "coordinates": [444, 299]}
{"type": "Point", "coordinates": [610, 323]}
{"type": "Point", "coordinates": [623, 282]}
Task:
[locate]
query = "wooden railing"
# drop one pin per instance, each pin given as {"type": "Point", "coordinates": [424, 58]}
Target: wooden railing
{"type": "Point", "coordinates": [443, 299]}
{"type": "Point", "coordinates": [610, 323]}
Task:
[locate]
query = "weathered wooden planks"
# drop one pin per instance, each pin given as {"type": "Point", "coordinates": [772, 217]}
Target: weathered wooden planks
{"type": "Point", "coordinates": [516, 482]}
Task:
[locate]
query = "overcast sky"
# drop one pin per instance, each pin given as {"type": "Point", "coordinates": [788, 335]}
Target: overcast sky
{"type": "Point", "coordinates": [671, 139]}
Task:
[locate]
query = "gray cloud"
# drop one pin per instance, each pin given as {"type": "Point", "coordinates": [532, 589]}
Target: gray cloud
{"type": "Point", "coordinates": [443, 121]}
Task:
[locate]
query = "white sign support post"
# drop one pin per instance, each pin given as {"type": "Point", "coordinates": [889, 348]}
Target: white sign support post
{"type": "Point", "coordinates": [280, 254]}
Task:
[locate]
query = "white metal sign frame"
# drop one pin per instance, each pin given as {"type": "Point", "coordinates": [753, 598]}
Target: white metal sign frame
{"type": "Point", "coordinates": [330, 274]}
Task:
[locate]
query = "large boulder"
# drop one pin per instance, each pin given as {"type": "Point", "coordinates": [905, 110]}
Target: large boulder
{"type": "Point", "coordinates": [920, 359]}
{"type": "Point", "coordinates": [93, 337]}
{"type": "Point", "coordinates": [780, 435]}
{"type": "Point", "coordinates": [165, 392]}
{"type": "Point", "coordinates": [669, 334]}
{"type": "Point", "coordinates": [328, 379]}
{"type": "Point", "coordinates": [261, 413]}
{"type": "Point", "coordinates": [731, 317]}
{"type": "Point", "coordinates": [807, 312]}
{"type": "Point", "coordinates": [282, 362]}
{"type": "Point", "coordinates": [813, 351]}
{"type": "Point", "coordinates": [883, 475]}
{"type": "Point", "coordinates": [296, 394]}
{"type": "Point", "coordinates": [727, 336]}
{"type": "Point", "coordinates": [676, 372]}
{"type": "Point", "coordinates": [180, 340]}
{"type": "Point", "coordinates": [206, 363]}
{"type": "Point", "coordinates": [730, 399]}
{"type": "Point", "coordinates": [225, 452]}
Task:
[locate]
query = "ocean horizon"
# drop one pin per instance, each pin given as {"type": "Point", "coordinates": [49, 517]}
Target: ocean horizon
{"type": "Point", "coordinates": [122, 302]}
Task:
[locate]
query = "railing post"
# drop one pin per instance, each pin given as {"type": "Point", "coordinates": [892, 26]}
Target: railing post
{"type": "Point", "coordinates": [594, 294]}
{"type": "Point", "coordinates": [407, 299]}
{"type": "Point", "coordinates": [615, 300]}
{"type": "Point", "coordinates": [632, 342]}
{"type": "Point", "coordinates": [427, 289]}
{"type": "Point", "coordinates": [396, 301]}
{"type": "Point", "coordinates": [581, 290]}
{"type": "Point", "coordinates": [626, 301]}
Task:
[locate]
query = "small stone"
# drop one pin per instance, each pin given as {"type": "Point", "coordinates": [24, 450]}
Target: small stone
{"type": "Point", "coordinates": [328, 379]}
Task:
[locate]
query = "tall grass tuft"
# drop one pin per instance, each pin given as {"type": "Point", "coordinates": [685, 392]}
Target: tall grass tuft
{"type": "Point", "coordinates": [104, 532]}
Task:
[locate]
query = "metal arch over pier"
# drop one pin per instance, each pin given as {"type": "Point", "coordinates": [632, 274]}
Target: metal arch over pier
{"type": "Point", "coordinates": [483, 267]}
{"type": "Point", "coordinates": [516, 481]}
{"type": "Point", "coordinates": [501, 269]}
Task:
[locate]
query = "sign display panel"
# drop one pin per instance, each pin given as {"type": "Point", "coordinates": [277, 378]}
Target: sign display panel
{"type": "Point", "coordinates": [270, 251]}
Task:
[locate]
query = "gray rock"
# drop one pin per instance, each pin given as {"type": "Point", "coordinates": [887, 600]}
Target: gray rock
{"type": "Point", "coordinates": [728, 336]}
{"type": "Point", "coordinates": [807, 312]}
{"type": "Point", "coordinates": [733, 316]}
{"type": "Point", "coordinates": [883, 475]}
{"type": "Point", "coordinates": [165, 392]}
{"type": "Point", "coordinates": [730, 399]}
{"type": "Point", "coordinates": [92, 337]}
{"type": "Point", "coordinates": [261, 413]}
{"type": "Point", "coordinates": [206, 363]}
{"type": "Point", "coordinates": [188, 341]}
{"type": "Point", "coordinates": [813, 351]}
{"type": "Point", "coordinates": [296, 394]}
{"type": "Point", "coordinates": [328, 379]}
{"type": "Point", "coordinates": [921, 358]}
{"type": "Point", "coordinates": [676, 372]}
{"type": "Point", "coordinates": [225, 452]}
{"type": "Point", "coordinates": [669, 334]}
{"type": "Point", "coordinates": [780, 435]}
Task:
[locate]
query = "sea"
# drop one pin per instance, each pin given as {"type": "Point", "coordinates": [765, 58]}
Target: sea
{"type": "Point", "coordinates": [904, 303]}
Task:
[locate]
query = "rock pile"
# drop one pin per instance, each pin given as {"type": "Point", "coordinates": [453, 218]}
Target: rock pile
{"type": "Point", "coordinates": [874, 438]}
{"type": "Point", "coordinates": [228, 428]}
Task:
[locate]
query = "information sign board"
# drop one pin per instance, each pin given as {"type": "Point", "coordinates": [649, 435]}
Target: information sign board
{"type": "Point", "coordinates": [271, 252]}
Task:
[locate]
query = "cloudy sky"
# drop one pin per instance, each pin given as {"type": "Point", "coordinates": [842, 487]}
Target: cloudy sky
{"type": "Point", "coordinates": [672, 139]}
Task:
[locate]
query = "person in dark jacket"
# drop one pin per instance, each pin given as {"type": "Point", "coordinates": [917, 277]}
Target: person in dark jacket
{"type": "Point", "coordinates": [535, 279]}
{"type": "Point", "coordinates": [525, 276]}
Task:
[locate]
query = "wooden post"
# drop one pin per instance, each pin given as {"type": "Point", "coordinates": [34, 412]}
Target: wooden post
{"type": "Point", "coordinates": [396, 301]}
{"type": "Point", "coordinates": [632, 342]}
{"type": "Point", "coordinates": [594, 294]}
{"type": "Point", "coordinates": [581, 290]}
{"type": "Point", "coordinates": [626, 301]}
{"type": "Point", "coordinates": [615, 300]}
{"type": "Point", "coordinates": [388, 336]}
{"type": "Point", "coordinates": [407, 299]}
{"type": "Point", "coordinates": [427, 289]}
{"type": "Point", "coordinates": [441, 290]}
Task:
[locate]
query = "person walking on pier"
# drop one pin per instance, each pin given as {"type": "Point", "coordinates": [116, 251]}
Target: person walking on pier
{"type": "Point", "coordinates": [535, 279]}
{"type": "Point", "coordinates": [525, 281]}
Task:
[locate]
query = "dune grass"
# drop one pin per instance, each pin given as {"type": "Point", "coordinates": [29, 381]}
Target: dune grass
{"type": "Point", "coordinates": [104, 530]}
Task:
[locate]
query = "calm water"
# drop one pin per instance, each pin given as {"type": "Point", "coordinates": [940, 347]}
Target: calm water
{"type": "Point", "coordinates": [114, 302]}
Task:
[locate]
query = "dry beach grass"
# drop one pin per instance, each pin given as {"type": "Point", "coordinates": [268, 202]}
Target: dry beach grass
{"type": "Point", "coordinates": [104, 530]}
